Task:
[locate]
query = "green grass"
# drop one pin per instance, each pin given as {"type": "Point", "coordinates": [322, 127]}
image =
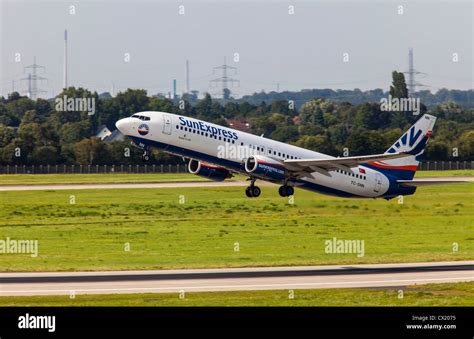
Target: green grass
{"type": "Point", "coordinates": [93, 233]}
{"type": "Point", "coordinates": [454, 294]}
{"type": "Point", "coordinates": [452, 173]}
{"type": "Point", "coordinates": [47, 179]}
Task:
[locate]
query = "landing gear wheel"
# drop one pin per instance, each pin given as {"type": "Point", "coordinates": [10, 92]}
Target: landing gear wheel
{"type": "Point", "coordinates": [253, 191]}
{"type": "Point", "coordinates": [256, 191]}
{"type": "Point", "coordinates": [286, 191]}
{"type": "Point", "coordinates": [248, 192]}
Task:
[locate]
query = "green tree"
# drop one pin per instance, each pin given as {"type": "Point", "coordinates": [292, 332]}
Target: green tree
{"type": "Point", "coordinates": [6, 135]}
{"type": "Point", "coordinates": [285, 133]}
{"type": "Point", "coordinates": [91, 151]}
{"type": "Point", "coordinates": [45, 155]}
{"type": "Point", "coordinates": [317, 143]}
{"type": "Point", "coordinates": [466, 145]}
{"type": "Point", "coordinates": [312, 112]}
{"type": "Point", "coordinates": [398, 89]}
{"type": "Point", "coordinates": [437, 150]}
{"type": "Point", "coordinates": [203, 107]}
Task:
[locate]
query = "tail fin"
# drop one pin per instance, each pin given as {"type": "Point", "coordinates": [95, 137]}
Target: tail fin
{"type": "Point", "coordinates": [412, 142]}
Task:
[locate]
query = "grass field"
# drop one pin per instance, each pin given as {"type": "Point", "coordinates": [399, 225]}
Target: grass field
{"type": "Point", "coordinates": [453, 173]}
{"type": "Point", "coordinates": [457, 294]}
{"type": "Point", "coordinates": [45, 179]}
{"type": "Point", "coordinates": [117, 229]}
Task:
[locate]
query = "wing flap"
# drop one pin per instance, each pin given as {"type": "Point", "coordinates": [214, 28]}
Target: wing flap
{"type": "Point", "coordinates": [339, 163]}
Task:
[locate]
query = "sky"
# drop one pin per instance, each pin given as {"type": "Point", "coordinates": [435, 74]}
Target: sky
{"type": "Point", "coordinates": [271, 45]}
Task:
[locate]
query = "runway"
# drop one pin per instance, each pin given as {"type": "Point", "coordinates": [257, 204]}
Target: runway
{"type": "Point", "coordinates": [36, 187]}
{"type": "Point", "coordinates": [139, 185]}
{"type": "Point", "coordinates": [235, 279]}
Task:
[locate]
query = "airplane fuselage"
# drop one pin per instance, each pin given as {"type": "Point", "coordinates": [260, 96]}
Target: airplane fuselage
{"type": "Point", "coordinates": [222, 146]}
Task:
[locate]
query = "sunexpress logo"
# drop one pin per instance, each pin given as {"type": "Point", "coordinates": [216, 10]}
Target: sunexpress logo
{"type": "Point", "coordinates": [407, 139]}
{"type": "Point", "coordinates": [202, 126]}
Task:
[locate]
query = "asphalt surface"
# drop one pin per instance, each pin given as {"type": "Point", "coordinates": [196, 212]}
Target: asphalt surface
{"type": "Point", "coordinates": [35, 187]}
{"type": "Point", "coordinates": [140, 185]}
{"type": "Point", "coordinates": [233, 279]}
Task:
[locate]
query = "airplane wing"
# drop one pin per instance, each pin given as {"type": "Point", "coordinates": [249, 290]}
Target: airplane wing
{"type": "Point", "coordinates": [429, 182]}
{"type": "Point", "coordinates": [324, 165]}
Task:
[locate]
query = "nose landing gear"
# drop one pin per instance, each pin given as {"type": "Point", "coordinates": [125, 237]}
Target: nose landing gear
{"type": "Point", "coordinates": [145, 155]}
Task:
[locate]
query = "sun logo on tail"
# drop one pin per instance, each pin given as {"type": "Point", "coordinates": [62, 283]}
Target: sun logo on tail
{"type": "Point", "coordinates": [407, 140]}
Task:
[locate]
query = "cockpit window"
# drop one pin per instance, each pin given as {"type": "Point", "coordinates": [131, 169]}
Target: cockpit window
{"type": "Point", "coordinates": [141, 117]}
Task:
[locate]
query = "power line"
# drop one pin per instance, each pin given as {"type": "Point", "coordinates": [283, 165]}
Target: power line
{"type": "Point", "coordinates": [225, 80]}
{"type": "Point", "coordinates": [412, 83]}
{"type": "Point", "coordinates": [33, 78]}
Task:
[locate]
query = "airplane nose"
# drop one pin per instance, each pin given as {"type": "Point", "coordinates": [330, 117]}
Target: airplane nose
{"type": "Point", "coordinates": [122, 125]}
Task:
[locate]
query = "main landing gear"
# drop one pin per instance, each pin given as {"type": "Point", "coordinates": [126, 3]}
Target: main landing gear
{"type": "Point", "coordinates": [286, 191]}
{"type": "Point", "coordinates": [252, 191]}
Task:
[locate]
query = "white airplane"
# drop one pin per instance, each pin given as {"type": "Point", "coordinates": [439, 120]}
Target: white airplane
{"type": "Point", "coordinates": [216, 152]}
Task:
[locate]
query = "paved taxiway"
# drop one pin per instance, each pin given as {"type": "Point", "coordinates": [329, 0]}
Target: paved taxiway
{"type": "Point", "coordinates": [233, 279]}
{"type": "Point", "coordinates": [141, 185]}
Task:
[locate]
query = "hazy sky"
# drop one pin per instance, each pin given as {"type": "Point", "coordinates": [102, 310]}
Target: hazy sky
{"type": "Point", "coordinates": [303, 50]}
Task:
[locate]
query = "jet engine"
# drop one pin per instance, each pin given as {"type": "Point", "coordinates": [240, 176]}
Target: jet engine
{"type": "Point", "coordinates": [209, 171]}
{"type": "Point", "coordinates": [262, 166]}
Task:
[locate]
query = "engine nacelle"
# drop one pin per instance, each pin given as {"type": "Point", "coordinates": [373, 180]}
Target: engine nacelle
{"type": "Point", "coordinates": [263, 166]}
{"type": "Point", "coordinates": [209, 171]}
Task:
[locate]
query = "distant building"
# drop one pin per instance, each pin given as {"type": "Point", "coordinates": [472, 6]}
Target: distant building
{"type": "Point", "coordinates": [240, 125]}
{"type": "Point", "coordinates": [115, 136]}
{"type": "Point", "coordinates": [103, 132]}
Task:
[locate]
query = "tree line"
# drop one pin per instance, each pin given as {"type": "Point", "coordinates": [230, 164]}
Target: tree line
{"type": "Point", "coordinates": [34, 132]}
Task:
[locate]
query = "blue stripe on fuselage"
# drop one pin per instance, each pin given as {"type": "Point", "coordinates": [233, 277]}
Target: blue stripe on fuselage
{"type": "Point", "coordinates": [392, 172]}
